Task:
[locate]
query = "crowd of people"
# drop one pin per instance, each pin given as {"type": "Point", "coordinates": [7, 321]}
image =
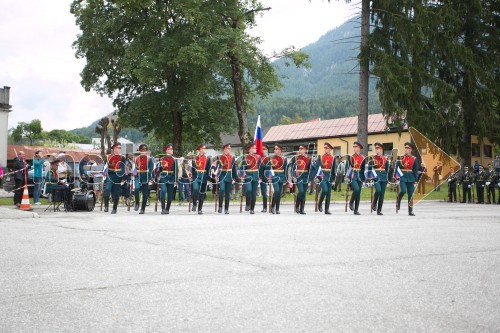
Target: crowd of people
{"type": "Point", "coordinates": [134, 177]}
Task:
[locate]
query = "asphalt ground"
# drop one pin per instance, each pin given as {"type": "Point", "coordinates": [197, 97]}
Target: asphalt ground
{"type": "Point", "coordinates": [92, 271]}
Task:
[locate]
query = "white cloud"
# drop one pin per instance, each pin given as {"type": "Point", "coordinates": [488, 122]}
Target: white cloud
{"type": "Point", "coordinates": [39, 64]}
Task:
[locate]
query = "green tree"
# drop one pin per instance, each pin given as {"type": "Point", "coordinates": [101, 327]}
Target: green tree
{"type": "Point", "coordinates": [437, 64]}
{"type": "Point", "coordinates": [31, 131]}
{"type": "Point", "coordinates": [157, 59]}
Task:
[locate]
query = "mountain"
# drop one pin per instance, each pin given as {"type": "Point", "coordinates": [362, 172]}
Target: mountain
{"type": "Point", "coordinates": [327, 90]}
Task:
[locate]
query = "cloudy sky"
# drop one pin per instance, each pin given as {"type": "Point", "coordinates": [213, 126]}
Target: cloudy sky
{"type": "Point", "coordinates": [39, 64]}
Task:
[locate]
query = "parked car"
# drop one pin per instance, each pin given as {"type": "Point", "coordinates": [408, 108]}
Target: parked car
{"type": "Point", "coordinates": [9, 184]}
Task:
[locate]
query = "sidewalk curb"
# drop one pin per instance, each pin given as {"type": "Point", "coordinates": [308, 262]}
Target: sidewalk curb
{"type": "Point", "coordinates": [14, 213]}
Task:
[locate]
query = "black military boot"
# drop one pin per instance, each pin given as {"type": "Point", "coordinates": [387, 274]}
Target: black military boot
{"type": "Point", "coordinates": [200, 206]}
{"type": "Point", "coordinates": [252, 206]}
{"type": "Point", "coordinates": [115, 206]}
{"type": "Point", "coordinates": [375, 200]}
{"type": "Point", "coordinates": [356, 207]}
{"type": "Point", "coordinates": [398, 202]}
{"type": "Point", "coordinates": [106, 204]}
{"type": "Point", "coordinates": [327, 207]}
{"type": "Point", "coordinates": [302, 204]}
{"type": "Point", "coordinates": [273, 205]}
{"type": "Point", "coordinates": [351, 203]}
{"type": "Point", "coordinates": [264, 205]}
{"type": "Point", "coordinates": [320, 202]}
{"type": "Point", "coordinates": [278, 201]}
{"type": "Point", "coordinates": [193, 208]}
{"type": "Point", "coordinates": [169, 203]}
{"type": "Point", "coordinates": [136, 198]}
{"type": "Point", "coordinates": [248, 203]}
{"type": "Point", "coordinates": [297, 205]}
{"type": "Point", "coordinates": [143, 205]}
{"type": "Point", "coordinates": [379, 207]}
{"type": "Point", "coordinates": [163, 211]}
{"type": "Point", "coordinates": [226, 206]}
{"type": "Point", "coordinates": [410, 211]}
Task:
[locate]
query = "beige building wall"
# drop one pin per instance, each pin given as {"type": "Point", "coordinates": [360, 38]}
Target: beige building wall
{"type": "Point", "coordinates": [346, 143]}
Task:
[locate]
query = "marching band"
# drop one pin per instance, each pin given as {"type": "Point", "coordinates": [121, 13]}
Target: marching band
{"type": "Point", "coordinates": [276, 172]}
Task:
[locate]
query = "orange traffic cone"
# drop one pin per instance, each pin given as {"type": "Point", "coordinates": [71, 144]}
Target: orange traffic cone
{"type": "Point", "coordinates": [25, 202]}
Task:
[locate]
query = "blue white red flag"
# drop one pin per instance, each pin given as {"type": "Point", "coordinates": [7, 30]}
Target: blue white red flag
{"type": "Point", "coordinates": [271, 172]}
{"type": "Point", "coordinates": [320, 172]}
{"type": "Point", "coordinates": [399, 173]}
{"type": "Point", "coordinates": [105, 170]}
{"type": "Point", "coordinates": [134, 170]}
{"type": "Point", "coordinates": [258, 138]}
{"type": "Point", "coordinates": [370, 174]}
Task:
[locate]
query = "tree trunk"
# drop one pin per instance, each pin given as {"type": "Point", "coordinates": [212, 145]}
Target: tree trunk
{"type": "Point", "coordinates": [177, 126]}
{"type": "Point", "coordinates": [364, 76]}
{"type": "Point", "coordinates": [236, 75]}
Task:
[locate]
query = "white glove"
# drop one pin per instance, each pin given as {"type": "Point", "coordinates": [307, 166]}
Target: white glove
{"type": "Point", "coordinates": [469, 186]}
{"type": "Point", "coordinates": [488, 183]}
{"type": "Point", "coordinates": [449, 179]}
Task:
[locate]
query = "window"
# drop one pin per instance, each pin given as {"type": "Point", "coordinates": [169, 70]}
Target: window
{"type": "Point", "coordinates": [476, 150]}
{"type": "Point", "coordinates": [336, 150]}
{"type": "Point", "coordinates": [488, 151]}
{"type": "Point", "coordinates": [388, 146]}
{"type": "Point", "coordinates": [370, 147]}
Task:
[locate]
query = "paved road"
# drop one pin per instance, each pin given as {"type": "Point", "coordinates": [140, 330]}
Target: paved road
{"type": "Point", "coordinates": [90, 272]}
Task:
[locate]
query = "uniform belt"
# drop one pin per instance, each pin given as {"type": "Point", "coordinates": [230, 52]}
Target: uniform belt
{"type": "Point", "coordinates": [139, 171]}
{"type": "Point", "coordinates": [407, 170]}
{"type": "Point", "coordinates": [114, 170]}
{"type": "Point", "coordinates": [278, 171]}
{"type": "Point", "coordinates": [301, 171]}
{"type": "Point", "coordinates": [252, 170]}
{"type": "Point", "coordinates": [226, 169]}
{"type": "Point", "coordinates": [167, 172]}
{"type": "Point", "coordinates": [202, 170]}
{"type": "Point", "coordinates": [379, 169]}
{"type": "Point", "coordinates": [356, 169]}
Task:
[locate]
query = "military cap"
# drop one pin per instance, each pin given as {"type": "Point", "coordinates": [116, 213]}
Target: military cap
{"type": "Point", "coordinates": [169, 146]}
{"type": "Point", "coordinates": [356, 143]}
{"type": "Point", "coordinates": [201, 147]}
{"type": "Point", "coordinates": [277, 144]}
{"type": "Point", "coordinates": [116, 144]}
{"type": "Point", "coordinates": [143, 145]}
{"type": "Point", "coordinates": [378, 144]}
{"type": "Point", "coordinates": [328, 145]}
{"type": "Point", "coordinates": [265, 147]}
{"type": "Point", "coordinates": [409, 145]}
{"type": "Point", "coordinates": [227, 145]}
{"type": "Point", "coordinates": [302, 147]}
{"type": "Point", "coordinates": [251, 146]}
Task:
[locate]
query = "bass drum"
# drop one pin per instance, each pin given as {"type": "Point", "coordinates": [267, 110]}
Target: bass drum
{"type": "Point", "coordinates": [84, 201]}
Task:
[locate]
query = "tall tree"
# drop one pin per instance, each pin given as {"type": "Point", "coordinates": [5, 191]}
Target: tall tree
{"type": "Point", "coordinates": [364, 74]}
{"type": "Point", "coordinates": [245, 69]}
{"type": "Point", "coordinates": [437, 64]}
{"type": "Point", "coordinates": [152, 57]}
